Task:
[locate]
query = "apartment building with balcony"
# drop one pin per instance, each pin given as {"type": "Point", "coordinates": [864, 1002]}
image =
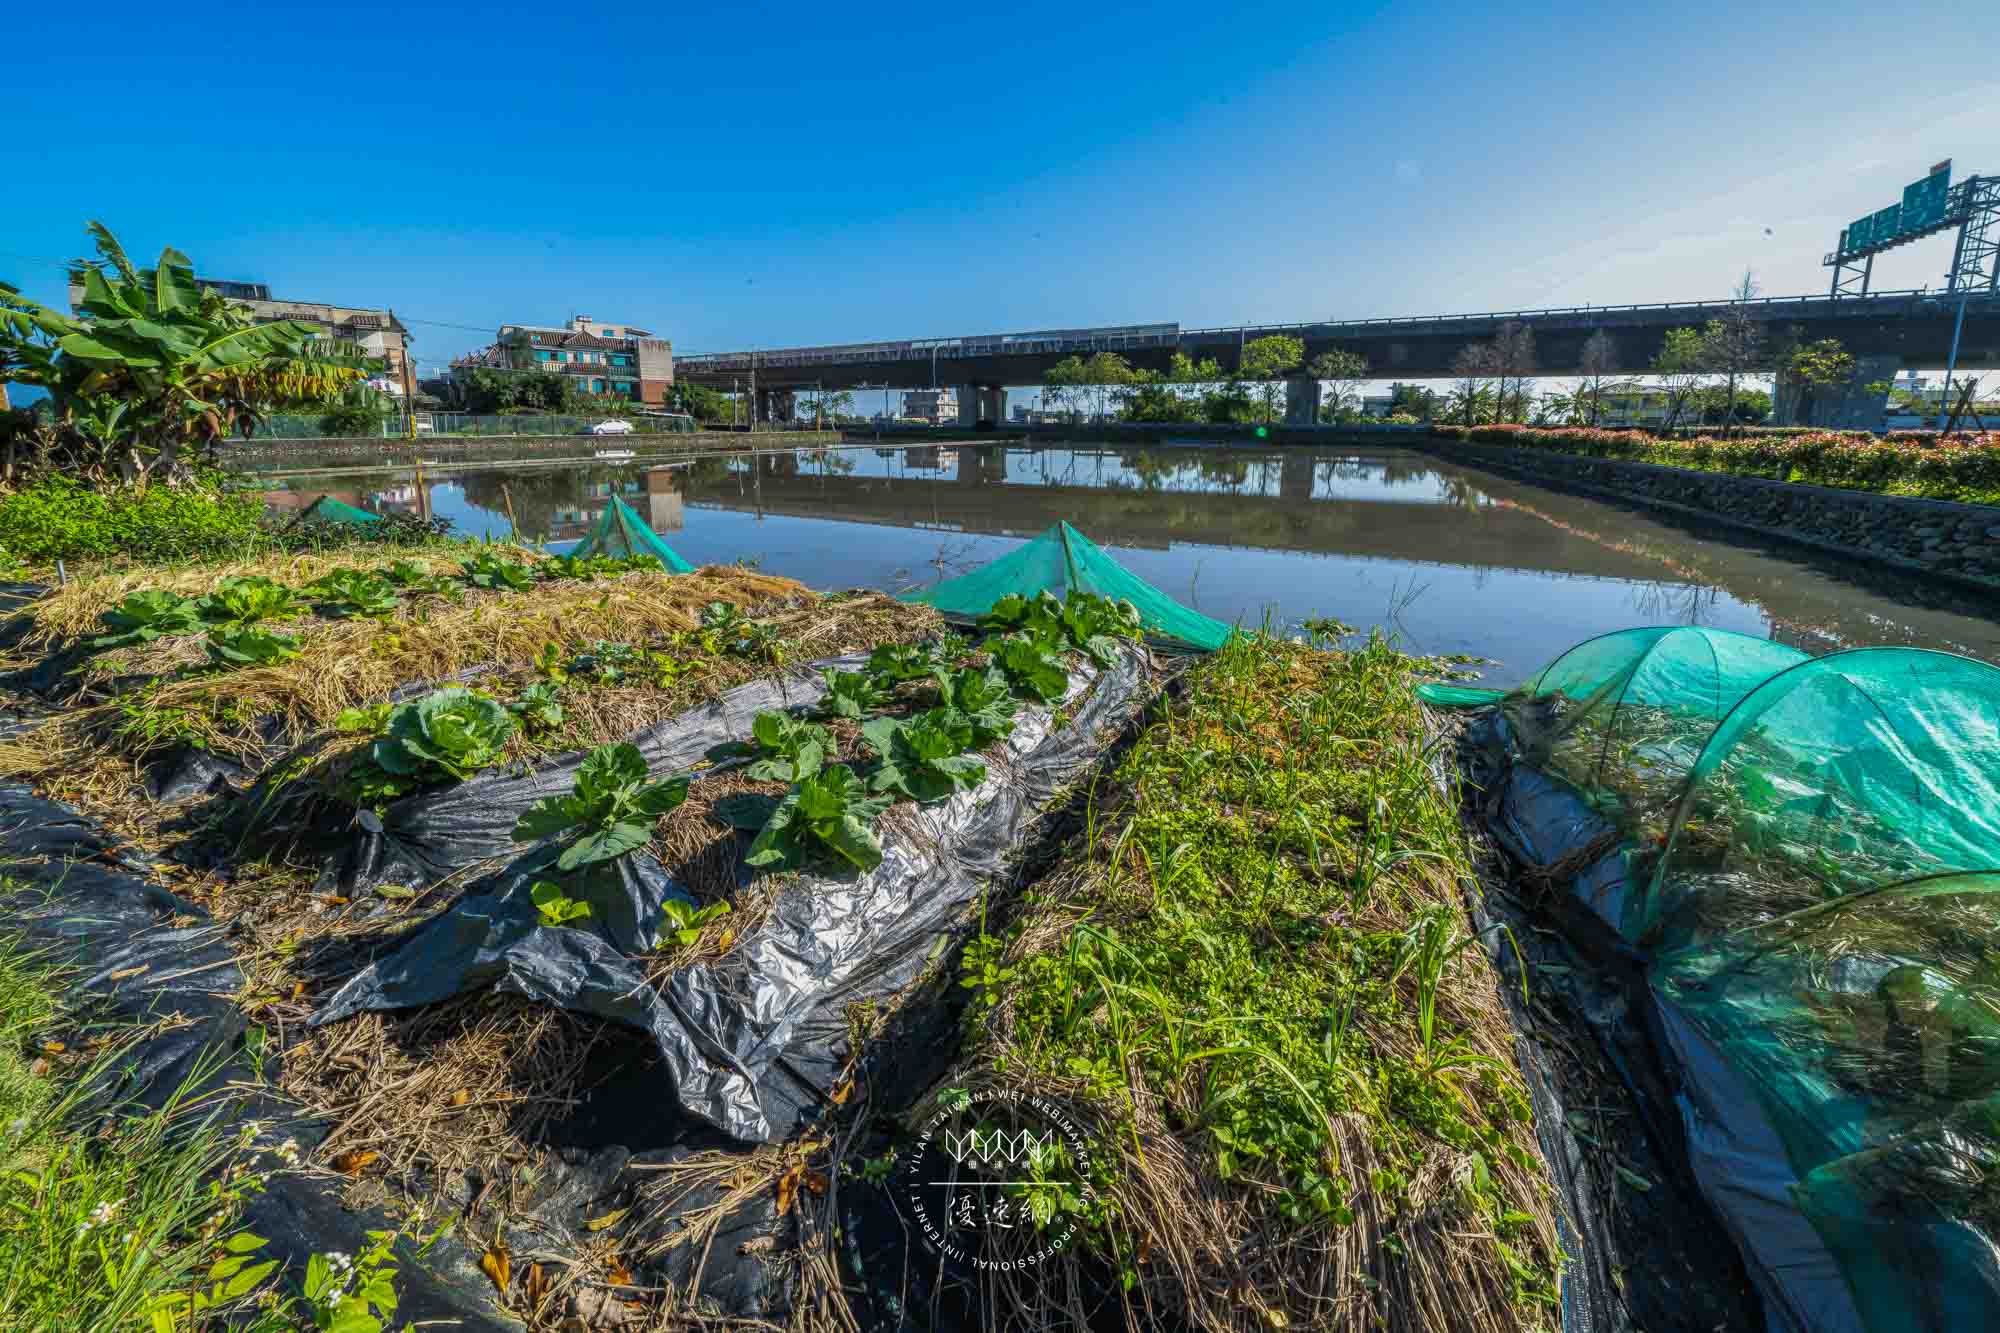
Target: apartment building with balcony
{"type": "Point", "coordinates": [378, 332]}
{"type": "Point", "coordinates": [621, 360]}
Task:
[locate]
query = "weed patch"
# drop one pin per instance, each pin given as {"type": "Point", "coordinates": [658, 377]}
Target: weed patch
{"type": "Point", "coordinates": [1267, 1000]}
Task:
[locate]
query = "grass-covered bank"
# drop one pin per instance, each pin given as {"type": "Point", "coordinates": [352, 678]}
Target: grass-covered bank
{"type": "Point", "coordinates": [53, 517]}
{"type": "Point", "coordinates": [115, 1217]}
{"type": "Point", "coordinates": [1252, 966]}
{"type": "Point", "coordinates": [1964, 467]}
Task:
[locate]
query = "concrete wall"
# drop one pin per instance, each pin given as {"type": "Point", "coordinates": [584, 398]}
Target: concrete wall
{"type": "Point", "coordinates": [267, 455]}
{"type": "Point", "coordinates": [1956, 542]}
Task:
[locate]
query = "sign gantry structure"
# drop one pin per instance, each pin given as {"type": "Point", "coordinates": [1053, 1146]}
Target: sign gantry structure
{"type": "Point", "coordinates": [1928, 207]}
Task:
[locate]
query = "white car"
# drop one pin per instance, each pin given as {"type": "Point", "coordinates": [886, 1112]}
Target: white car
{"type": "Point", "coordinates": [612, 427]}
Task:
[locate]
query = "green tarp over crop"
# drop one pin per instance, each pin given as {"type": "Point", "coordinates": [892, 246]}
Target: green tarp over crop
{"type": "Point", "coordinates": [621, 532]}
{"type": "Point", "coordinates": [1061, 559]}
{"type": "Point", "coordinates": [333, 511]}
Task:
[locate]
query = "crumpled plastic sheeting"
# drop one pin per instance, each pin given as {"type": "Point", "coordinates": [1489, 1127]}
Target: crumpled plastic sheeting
{"type": "Point", "coordinates": [423, 838]}
{"type": "Point", "coordinates": [777, 1004]}
{"type": "Point", "coordinates": [1733, 1152]}
{"type": "Point", "coordinates": [84, 902]}
{"type": "Point", "coordinates": [1744, 1170]}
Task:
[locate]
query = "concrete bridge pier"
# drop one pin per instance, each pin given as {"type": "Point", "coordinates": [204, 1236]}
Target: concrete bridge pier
{"type": "Point", "coordinates": [981, 402]}
{"type": "Point", "coordinates": [775, 405]}
{"type": "Point", "coordinates": [1301, 400]}
{"type": "Point", "coordinates": [1850, 406]}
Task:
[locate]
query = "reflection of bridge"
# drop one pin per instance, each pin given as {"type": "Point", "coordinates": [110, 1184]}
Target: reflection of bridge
{"type": "Point", "coordinates": [1500, 524]}
{"type": "Point", "coordinates": [1887, 330]}
{"type": "Point", "coordinates": [979, 501]}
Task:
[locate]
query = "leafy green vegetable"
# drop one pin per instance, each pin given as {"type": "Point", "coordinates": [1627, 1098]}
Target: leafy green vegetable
{"type": "Point", "coordinates": [789, 749]}
{"type": "Point", "coordinates": [487, 570]}
{"type": "Point", "coordinates": [724, 629]}
{"type": "Point", "coordinates": [145, 616]}
{"type": "Point", "coordinates": [538, 707]}
{"type": "Point", "coordinates": [852, 694]}
{"type": "Point", "coordinates": [583, 568]}
{"type": "Point", "coordinates": [415, 578]}
{"type": "Point", "coordinates": [1095, 624]}
{"type": "Point", "coordinates": [450, 733]}
{"type": "Point", "coordinates": [555, 907]}
{"type": "Point", "coordinates": [983, 698]}
{"type": "Point", "coordinates": [590, 567]}
{"type": "Point", "coordinates": [249, 645]}
{"type": "Point", "coordinates": [894, 663]}
{"type": "Point", "coordinates": [827, 814]}
{"type": "Point", "coordinates": [924, 758]}
{"type": "Point", "coordinates": [1032, 666]}
{"type": "Point", "coordinates": [689, 919]}
{"type": "Point", "coordinates": [610, 811]}
{"type": "Point", "coordinates": [1087, 622]}
{"type": "Point", "coordinates": [353, 592]}
{"type": "Point", "coordinates": [371, 719]}
{"type": "Point", "coordinates": [553, 663]}
{"type": "Point", "coordinates": [246, 599]}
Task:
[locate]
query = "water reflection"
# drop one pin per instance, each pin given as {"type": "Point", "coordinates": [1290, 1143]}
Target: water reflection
{"type": "Point", "coordinates": [1449, 559]}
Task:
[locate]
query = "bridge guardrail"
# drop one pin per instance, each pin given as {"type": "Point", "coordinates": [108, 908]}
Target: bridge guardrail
{"type": "Point", "coordinates": [959, 349]}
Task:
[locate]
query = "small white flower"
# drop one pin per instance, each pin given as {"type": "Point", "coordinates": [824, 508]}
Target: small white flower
{"type": "Point", "coordinates": [18, 1125]}
{"type": "Point", "coordinates": [102, 1213]}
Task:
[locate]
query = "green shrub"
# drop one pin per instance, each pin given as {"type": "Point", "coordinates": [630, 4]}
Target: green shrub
{"type": "Point", "coordinates": [58, 518]}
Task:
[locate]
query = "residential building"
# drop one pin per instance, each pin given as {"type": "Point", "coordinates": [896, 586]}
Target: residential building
{"type": "Point", "coordinates": [932, 405]}
{"type": "Point", "coordinates": [380, 334]}
{"type": "Point", "coordinates": [1377, 405]}
{"type": "Point", "coordinates": [1641, 405]}
{"type": "Point", "coordinates": [605, 358]}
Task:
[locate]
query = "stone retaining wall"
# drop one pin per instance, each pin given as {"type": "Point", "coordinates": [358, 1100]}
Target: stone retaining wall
{"type": "Point", "coordinates": [1959, 542]}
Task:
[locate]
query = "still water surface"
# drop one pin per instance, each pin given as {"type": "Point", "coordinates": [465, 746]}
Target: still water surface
{"type": "Point", "coordinates": [1447, 558]}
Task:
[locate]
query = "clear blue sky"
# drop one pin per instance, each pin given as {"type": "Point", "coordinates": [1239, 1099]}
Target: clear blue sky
{"type": "Point", "coordinates": [732, 177]}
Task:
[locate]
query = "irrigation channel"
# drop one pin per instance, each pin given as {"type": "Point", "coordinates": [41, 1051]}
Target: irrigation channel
{"type": "Point", "coordinates": [1446, 559]}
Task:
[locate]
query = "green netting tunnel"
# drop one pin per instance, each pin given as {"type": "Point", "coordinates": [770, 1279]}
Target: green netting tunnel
{"type": "Point", "coordinates": [1844, 774]}
{"type": "Point", "coordinates": [1811, 862]}
{"type": "Point", "coordinates": [621, 533]}
{"type": "Point", "coordinates": [1623, 717]}
{"type": "Point", "coordinates": [334, 511]}
{"type": "Point", "coordinates": [1063, 558]}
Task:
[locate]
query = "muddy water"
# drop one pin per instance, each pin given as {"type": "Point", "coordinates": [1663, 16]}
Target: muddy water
{"type": "Point", "coordinates": [1446, 558]}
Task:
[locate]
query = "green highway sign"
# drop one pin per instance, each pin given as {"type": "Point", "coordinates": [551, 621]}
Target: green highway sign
{"type": "Point", "coordinates": [1888, 224]}
{"type": "Point", "coordinates": [1923, 202]}
{"type": "Point", "coordinates": [1922, 208]}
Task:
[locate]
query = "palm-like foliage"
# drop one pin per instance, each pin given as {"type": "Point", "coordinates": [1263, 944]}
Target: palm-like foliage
{"type": "Point", "coordinates": [152, 370]}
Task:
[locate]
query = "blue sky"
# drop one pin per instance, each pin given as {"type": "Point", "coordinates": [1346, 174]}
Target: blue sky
{"type": "Point", "coordinates": [731, 177]}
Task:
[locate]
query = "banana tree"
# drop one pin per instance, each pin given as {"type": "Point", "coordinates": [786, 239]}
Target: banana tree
{"type": "Point", "coordinates": [153, 372]}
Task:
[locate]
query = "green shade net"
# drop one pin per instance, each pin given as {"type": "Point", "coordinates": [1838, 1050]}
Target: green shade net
{"type": "Point", "coordinates": [1842, 775]}
{"type": "Point", "coordinates": [1827, 914]}
{"type": "Point", "coordinates": [1442, 694]}
{"type": "Point", "coordinates": [621, 532]}
{"type": "Point", "coordinates": [333, 511]}
{"type": "Point", "coordinates": [1867, 1031]}
{"type": "Point", "coordinates": [1061, 559]}
{"type": "Point", "coordinates": [1623, 717]}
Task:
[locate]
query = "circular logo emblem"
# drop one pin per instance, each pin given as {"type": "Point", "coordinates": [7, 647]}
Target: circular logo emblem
{"type": "Point", "coordinates": [998, 1180]}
